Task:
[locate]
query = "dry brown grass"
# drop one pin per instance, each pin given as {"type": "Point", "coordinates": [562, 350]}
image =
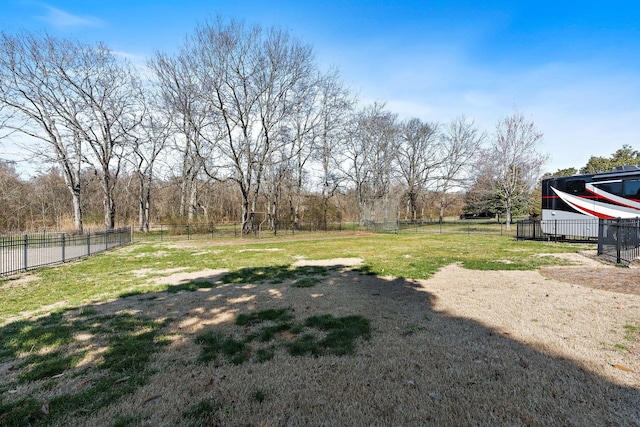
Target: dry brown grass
{"type": "Point", "coordinates": [462, 348]}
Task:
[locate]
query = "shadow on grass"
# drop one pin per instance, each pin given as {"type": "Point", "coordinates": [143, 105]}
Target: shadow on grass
{"type": "Point", "coordinates": [273, 274]}
{"type": "Point", "coordinates": [453, 370]}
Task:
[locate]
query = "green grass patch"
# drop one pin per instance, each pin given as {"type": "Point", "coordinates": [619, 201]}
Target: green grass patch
{"type": "Point", "coordinates": [265, 354]}
{"type": "Point", "coordinates": [248, 319]}
{"type": "Point", "coordinates": [621, 347]}
{"type": "Point", "coordinates": [49, 332]}
{"type": "Point", "coordinates": [41, 366]}
{"type": "Point", "coordinates": [341, 334]}
{"type": "Point", "coordinates": [316, 336]}
{"type": "Point", "coordinates": [259, 395]}
{"type": "Point", "coordinates": [202, 414]}
{"type": "Point", "coordinates": [306, 282]}
{"type": "Point", "coordinates": [631, 332]}
{"type": "Point", "coordinates": [271, 274]}
{"type": "Point", "coordinates": [23, 412]}
{"type": "Point", "coordinates": [130, 294]}
{"type": "Point", "coordinates": [215, 343]}
{"type": "Point", "coordinates": [128, 421]}
{"type": "Point", "coordinates": [191, 286]}
{"type": "Point", "coordinates": [47, 347]}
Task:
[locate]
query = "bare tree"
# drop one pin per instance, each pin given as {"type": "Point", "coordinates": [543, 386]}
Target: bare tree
{"type": "Point", "coordinates": [418, 156]}
{"type": "Point", "coordinates": [112, 108]}
{"type": "Point", "coordinates": [36, 93]}
{"type": "Point", "coordinates": [336, 107]}
{"type": "Point", "coordinates": [512, 162]}
{"type": "Point", "coordinates": [319, 109]}
{"type": "Point", "coordinates": [302, 132]}
{"type": "Point", "coordinates": [147, 144]}
{"type": "Point", "coordinates": [461, 141]}
{"type": "Point", "coordinates": [370, 153]}
{"type": "Point", "coordinates": [248, 77]}
{"type": "Point", "coordinates": [184, 100]}
{"type": "Point", "coordinates": [67, 93]}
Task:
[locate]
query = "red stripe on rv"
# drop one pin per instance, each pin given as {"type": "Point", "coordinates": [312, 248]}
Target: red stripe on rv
{"type": "Point", "coordinates": [600, 196]}
{"type": "Point", "coordinates": [593, 213]}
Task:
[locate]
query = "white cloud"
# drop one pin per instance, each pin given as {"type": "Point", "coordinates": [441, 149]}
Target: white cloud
{"type": "Point", "coordinates": [64, 20]}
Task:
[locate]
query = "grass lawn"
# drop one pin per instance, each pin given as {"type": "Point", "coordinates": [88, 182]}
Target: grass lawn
{"type": "Point", "coordinates": [410, 256]}
{"type": "Point", "coordinates": [60, 323]}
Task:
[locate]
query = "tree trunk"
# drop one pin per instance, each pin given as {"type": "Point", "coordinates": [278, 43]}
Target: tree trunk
{"type": "Point", "coordinates": [193, 200]}
{"type": "Point", "coordinates": [109, 203]}
{"type": "Point", "coordinates": [443, 202]}
{"type": "Point", "coordinates": [77, 208]}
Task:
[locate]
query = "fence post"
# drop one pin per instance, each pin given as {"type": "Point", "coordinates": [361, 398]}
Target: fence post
{"type": "Point", "coordinates": [26, 242]}
{"type": "Point", "coordinates": [63, 242]}
{"type": "Point", "coordinates": [618, 243]}
{"type": "Point", "coordinates": [600, 237]}
{"type": "Point", "coordinates": [89, 242]}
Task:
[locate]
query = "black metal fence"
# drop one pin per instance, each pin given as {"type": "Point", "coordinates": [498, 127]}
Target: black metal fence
{"type": "Point", "coordinates": [462, 226]}
{"type": "Point", "coordinates": [213, 231]}
{"type": "Point", "coordinates": [28, 251]}
{"type": "Point", "coordinates": [619, 240]}
{"type": "Point", "coordinates": [558, 230]}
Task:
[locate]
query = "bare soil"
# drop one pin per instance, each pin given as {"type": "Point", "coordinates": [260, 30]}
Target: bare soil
{"type": "Point", "coordinates": [596, 274]}
{"type": "Point", "coordinates": [462, 348]}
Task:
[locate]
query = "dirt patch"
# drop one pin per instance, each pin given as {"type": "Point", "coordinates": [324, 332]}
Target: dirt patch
{"type": "Point", "coordinates": [591, 272]}
{"type": "Point", "coordinates": [22, 280]}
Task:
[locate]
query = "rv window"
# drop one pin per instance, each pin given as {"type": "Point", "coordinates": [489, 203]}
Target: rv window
{"type": "Point", "coordinates": [612, 187]}
{"type": "Point", "coordinates": [575, 186]}
{"type": "Point", "coordinates": [632, 189]}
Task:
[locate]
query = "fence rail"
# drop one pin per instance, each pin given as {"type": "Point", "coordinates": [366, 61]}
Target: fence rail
{"type": "Point", "coordinates": [462, 226]}
{"type": "Point", "coordinates": [212, 231]}
{"type": "Point", "coordinates": [619, 240]}
{"type": "Point", "coordinates": [558, 230]}
{"type": "Point", "coordinates": [28, 251]}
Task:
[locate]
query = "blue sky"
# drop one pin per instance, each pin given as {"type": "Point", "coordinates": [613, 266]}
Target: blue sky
{"type": "Point", "coordinates": [572, 67]}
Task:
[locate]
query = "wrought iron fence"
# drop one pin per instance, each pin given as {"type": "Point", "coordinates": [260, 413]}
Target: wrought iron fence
{"type": "Point", "coordinates": [619, 240]}
{"type": "Point", "coordinates": [558, 230]}
{"type": "Point", "coordinates": [212, 231]}
{"type": "Point", "coordinates": [28, 251]}
{"type": "Point", "coordinates": [462, 226]}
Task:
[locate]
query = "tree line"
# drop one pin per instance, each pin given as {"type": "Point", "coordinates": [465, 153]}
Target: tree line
{"type": "Point", "coordinates": [239, 124]}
